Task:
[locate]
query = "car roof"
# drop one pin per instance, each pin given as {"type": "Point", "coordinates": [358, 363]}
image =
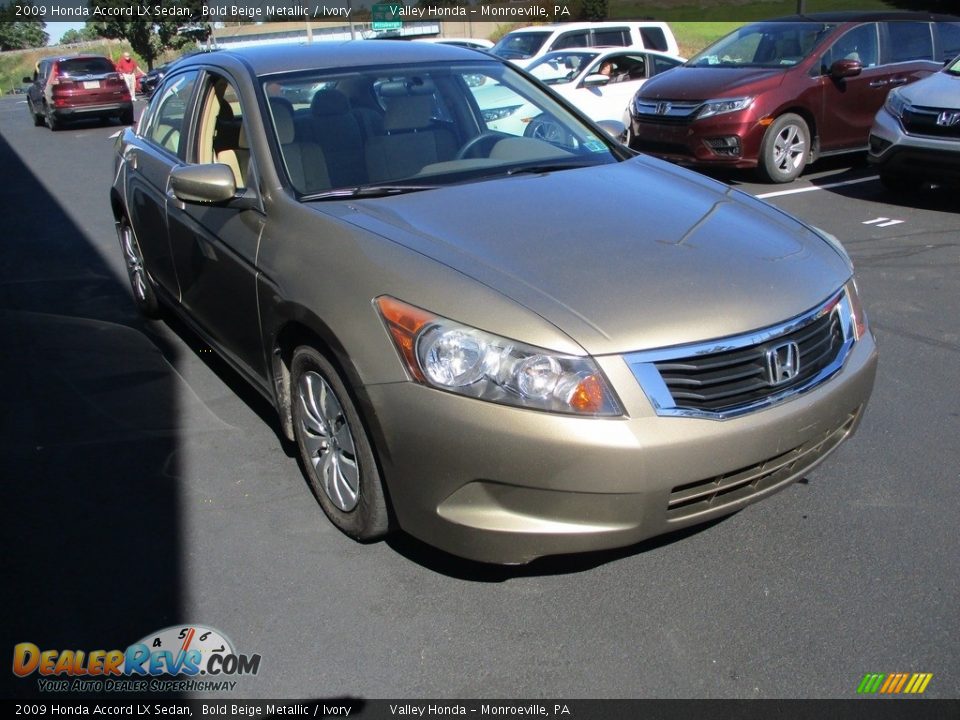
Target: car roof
{"type": "Point", "coordinates": [292, 57]}
{"type": "Point", "coordinates": [859, 16]}
{"type": "Point", "coordinates": [607, 50]}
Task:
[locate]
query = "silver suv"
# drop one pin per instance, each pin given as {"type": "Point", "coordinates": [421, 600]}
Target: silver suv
{"type": "Point", "coordinates": [916, 135]}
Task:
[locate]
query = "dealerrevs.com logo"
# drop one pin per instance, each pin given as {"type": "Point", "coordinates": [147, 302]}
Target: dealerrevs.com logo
{"type": "Point", "coordinates": [191, 658]}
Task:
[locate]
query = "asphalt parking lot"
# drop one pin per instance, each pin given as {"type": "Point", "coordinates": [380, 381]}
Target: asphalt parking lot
{"type": "Point", "coordinates": [145, 486]}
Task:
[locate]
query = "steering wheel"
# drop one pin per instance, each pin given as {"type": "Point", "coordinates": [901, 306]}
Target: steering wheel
{"type": "Point", "coordinates": [544, 127]}
{"type": "Point", "coordinates": [488, 136]}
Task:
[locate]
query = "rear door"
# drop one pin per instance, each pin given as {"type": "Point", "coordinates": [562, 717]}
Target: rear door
{"type": "Point", "coordinates": [160, 146]}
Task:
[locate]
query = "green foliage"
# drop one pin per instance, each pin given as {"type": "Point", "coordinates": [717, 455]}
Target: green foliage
{"type": "Point", "coordinates": [85, 34]}
{"type": "Point", "coordinates": [149, 39]}
{"type": "Point", "coordinates": [592, 10]}
{"type": "Point", "coordinates": [19, 35]}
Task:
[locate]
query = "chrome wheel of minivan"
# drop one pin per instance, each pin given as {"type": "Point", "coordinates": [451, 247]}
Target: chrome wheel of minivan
{"type": "Point", "coordinates": [336, 452]}
{"type": "Point", "coordinates": [785, 149]}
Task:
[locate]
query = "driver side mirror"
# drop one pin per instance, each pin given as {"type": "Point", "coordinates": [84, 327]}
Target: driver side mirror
{"type": "Point", "coordinates": [213, 183]}
{"type": "Point", "coordinates": [845, 68]}
{"type": "Point", "coordinates": [596, 80]}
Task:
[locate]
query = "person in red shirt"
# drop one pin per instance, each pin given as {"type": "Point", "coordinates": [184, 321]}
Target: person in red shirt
{"type": "Point", "coordinates": [128, 68]}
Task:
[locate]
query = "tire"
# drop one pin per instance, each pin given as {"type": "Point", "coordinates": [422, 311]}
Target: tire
{"type": "Point", "coordinates": [335, 449]}
{"type": "Point", "coordinates": [899, 183]}
{"type": "Point", "coordinates": [144, 295]}
{"type": "Point", "coordinates": [37, 118]}
{"type": "Point", "coordinates": [785, 150]}
{"type": "Point", "coordinates": [53, 122]}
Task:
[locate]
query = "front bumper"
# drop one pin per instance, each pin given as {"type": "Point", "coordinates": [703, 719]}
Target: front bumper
{"type": "Point", "coordinates": [506, 485]}
{"type": "Point", "coordinates": [896, 152]}
{"type": "Point", "coordinates": [689, 143]}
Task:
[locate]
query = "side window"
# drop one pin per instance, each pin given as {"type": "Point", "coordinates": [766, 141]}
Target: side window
{"type": "Point", "coordinates": [611, 37]}
{"type": "Point", "coordinates": [662, 64]}
{"type": "Point", "coordinates": [653, 38]}
{"type": "Point", "coordinates": [221, 137]}
{"type": "Point", "coordinates": [165, 121]}
{"type": "Point", "coordinates": [579, 38]}
{"type": "Point", "coordinates": [622, 68]}
{"type": "Point", "coordinates": [909, 41]}
{"type": "Point", "coordinates": [949, 40]}
{"type": "Point", "coordinates": [858, 44]}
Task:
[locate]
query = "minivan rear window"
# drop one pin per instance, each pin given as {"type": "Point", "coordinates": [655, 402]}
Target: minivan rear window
{"type": "Point", "coordinates": [909, 41]}
{"type": "Point", "coordinates": [654, 38]}
{"type": "Point", "coordinates": [85, 66]}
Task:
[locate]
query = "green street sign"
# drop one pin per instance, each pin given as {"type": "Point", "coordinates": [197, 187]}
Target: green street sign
{"type": "Point", "coordinates": [385, 17]}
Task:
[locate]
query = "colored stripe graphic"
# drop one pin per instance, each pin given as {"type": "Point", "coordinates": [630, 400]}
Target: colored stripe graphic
{"type": "Point", "coordinates": [894, 683]}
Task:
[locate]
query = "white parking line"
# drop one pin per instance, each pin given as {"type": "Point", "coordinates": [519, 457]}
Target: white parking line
{"type": "Point", "coordinates": [882, 222]}
{"type": "Point", "coordinates": [811, 188]}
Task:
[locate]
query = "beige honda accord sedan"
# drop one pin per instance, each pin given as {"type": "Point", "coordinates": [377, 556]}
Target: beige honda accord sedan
{"type": "Point", "coordinates": [508, 345]}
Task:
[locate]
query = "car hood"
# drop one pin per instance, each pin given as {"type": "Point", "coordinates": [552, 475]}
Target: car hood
{"type": "Point", "coordinates": [621, 257]}
{"type": "Point", "coordinates": [940, 90]}
{"type": "Point", "coordinates": [707, 83]}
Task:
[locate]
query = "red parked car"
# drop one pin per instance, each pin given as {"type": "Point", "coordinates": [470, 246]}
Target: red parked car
{"type": "Point", "coordinates": [75, 87]}
{"type": "Point", "coordinates": [777, 95]}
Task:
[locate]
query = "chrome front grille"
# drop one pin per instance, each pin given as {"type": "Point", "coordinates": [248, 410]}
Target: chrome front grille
{"type": "Point", "coordinates": [932, 122]}
{"type": "Point", "coordinates": [732, 376]}
{"type": "Point", "coordinates": [667, 112]}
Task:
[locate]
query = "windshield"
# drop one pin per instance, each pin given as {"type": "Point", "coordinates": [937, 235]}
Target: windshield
{"type": "Point", "coordinates": [387, 130]}
{"type": "Point", "coordinates": [560, 67]}
{"type": "Point", "coordinates": [519, 45]}
{"type": "Point", "coordinates": [767, 45]}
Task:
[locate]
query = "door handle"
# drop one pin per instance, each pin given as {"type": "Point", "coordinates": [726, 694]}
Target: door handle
{"type": "Point", "coordinates": [899, 81]}
{"type": "Point", "coordinates": [879, 83]}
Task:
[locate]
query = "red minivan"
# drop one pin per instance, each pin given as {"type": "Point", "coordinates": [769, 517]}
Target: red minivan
{"type": "Point", "coordinates": [777, 95]}
{"type": "Point", "coordinates": [79, 86]}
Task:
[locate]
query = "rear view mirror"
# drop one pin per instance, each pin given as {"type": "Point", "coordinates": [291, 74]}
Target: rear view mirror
{"type": "Point", "coordinates": [846, 68]}
{"type": "Point", "coordinates": [213, 183]}
{"type": "Point", "coordinates": [613, 128]}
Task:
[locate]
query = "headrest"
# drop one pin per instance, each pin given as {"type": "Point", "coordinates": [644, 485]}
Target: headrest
{"type": "Point", "coordinates": [409, 112]}
{"type": "Point", "coordinates": [282, 111]}
{"type": "Point", "coordinates": [329, 102]}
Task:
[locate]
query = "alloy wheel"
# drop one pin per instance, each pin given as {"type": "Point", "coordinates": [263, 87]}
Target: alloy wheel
{"type": "Point", "coordinates": [328, 442]}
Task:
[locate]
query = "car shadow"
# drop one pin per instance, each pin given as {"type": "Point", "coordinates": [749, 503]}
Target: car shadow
{"type": "Point", "coordinates": [89, 433]}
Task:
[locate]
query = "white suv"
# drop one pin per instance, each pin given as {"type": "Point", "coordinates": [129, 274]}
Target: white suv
{"type": "Point", "coordinates": [526, 44]}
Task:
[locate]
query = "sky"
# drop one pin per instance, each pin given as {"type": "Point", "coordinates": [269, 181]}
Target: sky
{"type": "Point", "coordinates": [56, 29]}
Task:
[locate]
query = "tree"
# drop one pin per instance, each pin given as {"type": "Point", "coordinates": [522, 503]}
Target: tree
{"type": "Point", "coordinates": [593, 10]}
{"type": "Point", "coordinates": [20, 35]}
{"type": "Point", "coordinates": [89, 32]}
{"type": "Point", "coordinates": [150, 39]}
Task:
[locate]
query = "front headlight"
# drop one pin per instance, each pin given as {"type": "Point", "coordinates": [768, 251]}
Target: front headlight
{"type": "Point", "coordinates": [498, 113]}
{"type": "Point", "coordinates": [450, 356]}
{"type": "Point", "coordinates": [723, 105]}
{"type": "Point", "coordinates": [895, 104]}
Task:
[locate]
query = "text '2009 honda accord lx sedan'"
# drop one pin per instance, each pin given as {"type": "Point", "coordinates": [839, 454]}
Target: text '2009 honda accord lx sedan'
{"type": "Point", "coordinates": [507, 346]}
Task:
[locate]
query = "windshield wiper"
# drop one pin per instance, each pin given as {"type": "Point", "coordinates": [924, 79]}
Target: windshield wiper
{"type": "Point", "coordinates": [548, 167]}
{"type": "Point", "coordinates": [366, 191]}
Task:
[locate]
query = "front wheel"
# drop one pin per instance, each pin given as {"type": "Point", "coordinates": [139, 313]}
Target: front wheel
{"type": "Point", "coordinates": [785, 149]}
{"type": "Point", "coordinates": [336, 452]}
